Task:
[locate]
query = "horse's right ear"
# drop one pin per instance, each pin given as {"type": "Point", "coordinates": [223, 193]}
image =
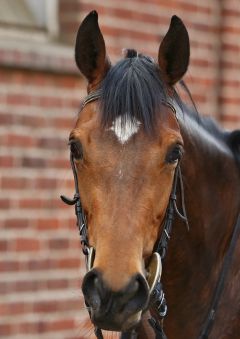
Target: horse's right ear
{"type": "Point", "coordinates": [90, 51]}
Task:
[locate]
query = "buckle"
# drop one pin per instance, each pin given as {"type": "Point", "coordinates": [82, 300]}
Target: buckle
{"type": "Point", "coordinates": [154, 271]}
{"type": "Point", "coordinates": [90, 258]}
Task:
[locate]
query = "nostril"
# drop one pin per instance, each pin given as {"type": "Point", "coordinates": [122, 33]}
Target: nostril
{"type": "Point", "coordinates": [130, 291]}
{"type": "Point", "coordinates": [143, 290]}
{"type": "Point", "coordinates": [98, 283]}
{"type": "Point", "coordinates": [92, 289]}
{"type": "Point", "coordinates": [136, 295]}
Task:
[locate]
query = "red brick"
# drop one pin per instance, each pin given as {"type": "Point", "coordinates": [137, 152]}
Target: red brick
{"type": "Point", "coordinates": [6, 330]}
{"type": "Point", "coordinates": [65, 123]}
{"type": "Point", "coordinates": [3, 245]}
{"type": "Point", "coordinates": [31, 121]}
{"type": "Point", "coordinates": [19, 99]}
{"type": "Point", "coordinates": [55, 284]}
{"type": "Point", "coordinates": [15, 182]}
{"type": "Point", "coordinates": [52, 143]}
{"type": "Point", "coordinates": [50, 264]}
{"type": "Point", "coordinates": [33, 162]}
{"type": "Point", "coordinates": [9, 266]}
{"type": "Point", "coordinates": [14, 308]}
{"type": "Point", "coordinates": [60, 163]}
{"type": "Point", "coordinates": [48, 183]}
{"type": "Point", "coordinates": [5, 203]}
{"type": "Point", "coordinates": [39, 264]}
{"type": "Point", "coordinates": [69, 263]}
{"type": "Point", "coordinates": [6, 118]}
{"type": "Point", "coordinates": [34, 203]}
{"type": "Point", "coordinates": [58, 325]}
{"type": "Point", "coordinates": [231, 12]}
{"type": "Point", "coordinates": [31, 203]}
{"type": "Point", "coordinates": [231, 118]}
{"type": "Point", "coordinates": [27, 245]}
{"type": "Point", "coordinates": [57, 305]}
{"type": "Point", "coordinates": [18, 140]}
{"type": "Point", "coordinates": [16, 223]}
{"type": "Point", "coordinates": [48, 224]}
{"type": "Point", "coordinates": [28, 327]}
{"type": "Point", "coordinates": [28, 286]}
{"type": "Point", "coordinates": [6, 161]}
{"type": "Point", "coordinates": [59, 244]}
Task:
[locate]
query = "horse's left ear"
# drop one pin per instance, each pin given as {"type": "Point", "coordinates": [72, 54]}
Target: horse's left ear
{"type": "Point", "coordinates": [90, 51]}
{"type": "Point", "coordinates": [174, 52]}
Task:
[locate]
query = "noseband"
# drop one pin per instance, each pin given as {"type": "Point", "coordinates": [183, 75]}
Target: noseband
{"type": "Point", "coordinates": [157, 297]}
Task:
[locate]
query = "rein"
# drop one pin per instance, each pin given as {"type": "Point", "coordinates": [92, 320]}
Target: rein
{"type": "Point", "coordinates": [157, 297]}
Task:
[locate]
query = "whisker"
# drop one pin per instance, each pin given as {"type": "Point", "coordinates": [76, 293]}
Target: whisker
{"type": "Point", "coordinates": [87, 332]}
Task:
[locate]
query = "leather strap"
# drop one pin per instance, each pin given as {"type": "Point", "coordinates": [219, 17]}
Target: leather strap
{"type": "Point", "coordinates": [172, 208]}
{"type": "Point", "coordinates": [92, 96]}
{"type": "Point", "coordinates": [157, 328]}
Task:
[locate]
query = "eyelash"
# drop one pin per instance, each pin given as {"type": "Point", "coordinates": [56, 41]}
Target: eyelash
{"type": "Point", "coordinates": [76, 149]}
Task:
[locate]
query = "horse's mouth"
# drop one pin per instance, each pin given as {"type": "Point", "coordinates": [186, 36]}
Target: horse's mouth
{"type": "Point", "coordinates": [119, 322]}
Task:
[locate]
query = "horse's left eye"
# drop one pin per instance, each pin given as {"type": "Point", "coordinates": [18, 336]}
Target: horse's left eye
{"type": "Point", "coordinates": [76, 149]}
{"type": "Point", "coordinates": [174, 154]}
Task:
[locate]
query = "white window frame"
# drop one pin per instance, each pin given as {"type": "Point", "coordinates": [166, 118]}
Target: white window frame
{"type": "Point", "coordinates": [52, 27]}
{"type": "Point", "coordinates": [38, 49]}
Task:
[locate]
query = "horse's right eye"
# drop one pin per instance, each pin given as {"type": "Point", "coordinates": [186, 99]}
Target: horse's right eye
{"type": "Point", "coordinates": [76, 149]}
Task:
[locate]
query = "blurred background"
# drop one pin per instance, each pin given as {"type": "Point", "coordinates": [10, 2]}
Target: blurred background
{"type": "Point", "coordinates": [41, 263]}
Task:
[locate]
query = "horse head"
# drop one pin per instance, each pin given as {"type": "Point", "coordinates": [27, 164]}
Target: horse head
{"type": "Point", "coordinates": [126, 147]}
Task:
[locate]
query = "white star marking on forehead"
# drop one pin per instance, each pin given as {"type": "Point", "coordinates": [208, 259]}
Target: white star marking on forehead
{"type": "Point", "coordinates": [126, 130]}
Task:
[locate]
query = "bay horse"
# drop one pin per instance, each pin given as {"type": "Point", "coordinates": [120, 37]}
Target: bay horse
{"type": "Point", "coordinates": [141, 157]}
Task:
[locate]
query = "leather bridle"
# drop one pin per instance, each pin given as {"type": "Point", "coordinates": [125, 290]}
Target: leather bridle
{"type": "Point", "coordinates": [157, 297]}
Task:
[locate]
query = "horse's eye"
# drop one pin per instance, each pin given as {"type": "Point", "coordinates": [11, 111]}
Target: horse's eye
{"type": "Point", "coordinates": [76, 149]}
{"type": "Point", "coordinates": [174, 154]}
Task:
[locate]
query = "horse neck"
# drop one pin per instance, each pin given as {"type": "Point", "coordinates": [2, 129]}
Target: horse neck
{"type": "Point", "coordinates": [211, 184]}
{"type": "Point", "coordinates": [211, 181]}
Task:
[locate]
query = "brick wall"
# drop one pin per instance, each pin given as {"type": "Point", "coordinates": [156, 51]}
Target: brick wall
{"type": "Point", "coordinates": [39, 247]}
{"type": "Point", "coordinates": [40, 258]}
{"type": "Point", "coordinates": [230, 64]}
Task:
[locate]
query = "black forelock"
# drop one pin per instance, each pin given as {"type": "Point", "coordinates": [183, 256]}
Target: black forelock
{"type": "Point", "coordinates": [132, 90]}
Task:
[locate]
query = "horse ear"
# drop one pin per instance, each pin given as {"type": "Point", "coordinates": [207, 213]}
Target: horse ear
{"type": "Point", "coordinates": [174, 52]}
{"type": "Point", "coordinates": [90, 51]}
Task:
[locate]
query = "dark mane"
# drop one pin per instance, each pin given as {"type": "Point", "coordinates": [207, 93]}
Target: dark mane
{"type": "Point", "coordinates": [132, 90]}
{"type": "Point", "coordinates": [230, 138]}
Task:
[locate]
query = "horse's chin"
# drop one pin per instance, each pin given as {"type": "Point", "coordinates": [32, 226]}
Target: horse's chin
{"type": "Point", "coordinates": [118, 324]}
{"type": "Point", "coordinates": [132, 322]}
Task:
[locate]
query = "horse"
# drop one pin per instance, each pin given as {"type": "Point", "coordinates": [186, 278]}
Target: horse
{"type": "Point", "coordinates": [157, 188]}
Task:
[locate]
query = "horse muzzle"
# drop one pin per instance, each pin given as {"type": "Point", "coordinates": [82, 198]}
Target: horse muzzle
{"type": "Point", "coordinates": [112, 310]}
{"type": "Point", "coordinates": [121, 310]}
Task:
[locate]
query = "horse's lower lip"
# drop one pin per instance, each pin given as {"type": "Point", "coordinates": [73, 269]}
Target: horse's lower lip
{"type": "Point", "coordinates": [116, 325]}
{"type": "Point", "coordinates": [132, 321]}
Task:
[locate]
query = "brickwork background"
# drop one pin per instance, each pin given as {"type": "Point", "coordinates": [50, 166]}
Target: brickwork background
{"type": "Point", "coordinates": [41, 264]}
